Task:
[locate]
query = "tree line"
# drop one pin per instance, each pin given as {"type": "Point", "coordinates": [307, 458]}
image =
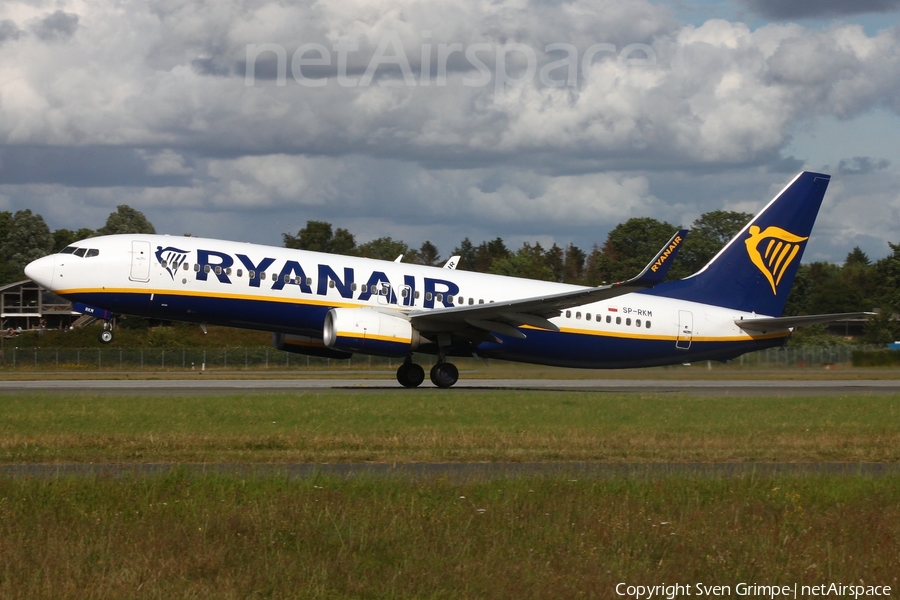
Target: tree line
{"type": "Point", "coordinates": [859, 284]}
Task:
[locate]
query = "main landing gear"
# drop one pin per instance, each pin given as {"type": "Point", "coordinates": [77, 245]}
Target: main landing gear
{"type": "Point", "coordinates": [410, 374]}
{"type": "Point", "coordinates": [443, 374]}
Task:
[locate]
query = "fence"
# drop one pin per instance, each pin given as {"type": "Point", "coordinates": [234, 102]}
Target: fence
{"type": "Point", "coordinates": [183, 359]}
{"type": "Point", "coordinates": [187, 359]}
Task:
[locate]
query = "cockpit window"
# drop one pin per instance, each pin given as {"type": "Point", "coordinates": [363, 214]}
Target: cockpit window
{"type": "Point", "coordinates": [80, 251]}
{"type": "Point", "coordinates": [68, 250]}
{"type": "Point", "coordinates": [92, 252]}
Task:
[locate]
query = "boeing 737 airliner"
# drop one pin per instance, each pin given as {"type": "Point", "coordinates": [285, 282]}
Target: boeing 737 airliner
{"type": "Point", "coordinates": [335, 306]}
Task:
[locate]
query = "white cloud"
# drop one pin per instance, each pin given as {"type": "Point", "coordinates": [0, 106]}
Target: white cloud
{"type": "Point", "coordinates": [164, 79]}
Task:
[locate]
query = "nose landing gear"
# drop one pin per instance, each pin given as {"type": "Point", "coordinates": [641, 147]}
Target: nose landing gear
{"type": "Point", "coordinates": [106, 335]}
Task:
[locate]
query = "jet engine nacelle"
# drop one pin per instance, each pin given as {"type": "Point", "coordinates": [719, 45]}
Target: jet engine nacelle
{"type": "Point", "coordinates": [301, 344]}
{"type": "Point", "coordinates": [369, 332]}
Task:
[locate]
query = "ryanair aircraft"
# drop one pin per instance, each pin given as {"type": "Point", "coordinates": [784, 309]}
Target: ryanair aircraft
{"type": "Point", "coordinates": [335, 306]}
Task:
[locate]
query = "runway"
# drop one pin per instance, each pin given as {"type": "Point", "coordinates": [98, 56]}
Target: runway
{"type": "Point", "coordinates": [794, 387]}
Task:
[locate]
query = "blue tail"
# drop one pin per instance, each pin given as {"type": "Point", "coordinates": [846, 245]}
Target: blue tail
{"type": "Point", "coordinates": [755, 270]}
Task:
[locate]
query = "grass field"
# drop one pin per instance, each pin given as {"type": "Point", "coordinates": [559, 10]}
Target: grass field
{"type": "Point", "coordinates": [184, 534]}
{"type": "Point", "coordinates": [181, 536]}
{"type": "Point", "coordinates": [434, 425]}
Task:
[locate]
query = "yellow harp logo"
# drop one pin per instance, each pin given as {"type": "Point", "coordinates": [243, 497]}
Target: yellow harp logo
{"type": "Point", "coordinates": [780, 251]}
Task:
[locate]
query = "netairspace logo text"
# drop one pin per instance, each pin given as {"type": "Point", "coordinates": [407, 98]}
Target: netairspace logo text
{"type": "Point", "coordinates": [754, 590]}
{"type": "Point", "coordinates": [507, 65]}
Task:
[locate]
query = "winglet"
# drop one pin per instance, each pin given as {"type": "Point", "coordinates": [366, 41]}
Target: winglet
{"type": "Point", "coordinates": [656, 271]}
{"type": "Point", "coordinates": [452, 262]}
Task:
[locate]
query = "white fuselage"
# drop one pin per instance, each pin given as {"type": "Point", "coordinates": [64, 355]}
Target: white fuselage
{"type": "Point", "coordinates": [290, 291]}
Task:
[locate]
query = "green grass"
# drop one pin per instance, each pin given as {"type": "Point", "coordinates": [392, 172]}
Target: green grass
{"type": "Point", "coordinates": [440, 425]}
{"type": "Point", "coordinates": [214, 536]}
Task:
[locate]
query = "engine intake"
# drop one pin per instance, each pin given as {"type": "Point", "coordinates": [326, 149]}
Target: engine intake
{"type": "Point", "coordinates": [369, 332]}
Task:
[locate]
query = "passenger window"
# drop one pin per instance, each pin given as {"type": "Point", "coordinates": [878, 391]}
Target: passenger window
{"type": "Point", "coordinates": [352, 286]}
{"type": "Point", "coordinates": [206, 269]}
{"type": "Point", "coordinates": [450, 299]}
{"type": "Point", "coordinates": [80, 252]}
{"type": "Point", "coordinates": [637, 323]}
{"type": "Point", "coordinates": [309, 281]}
{"type": "Point", "coordinates": [363, 288]}
{"type": "Point", "coordinates": [68, 250]}
{"type": "Point", "coordinates": [608, 319]}
{"type": "Point", "coordinates": [162, 263]}
{"type": "Point", "coordinates": [647, 324]}
{"type": "Point", "coordinates": [228, 271]}
{"type": "Point", "coordinates": [240, 273]}
{"type": "Point", "coordinates": [587, 316]}
{"type": "Point", "coordinates": [428, 296]}
{"type": "Point", "coordinates": [187, 266]}
{"type": "Point", "coordinates": [262, 275]}
{"type": "Point", "coordinates": [197, 268]}
{"type": "Point", "coordinates": [404, 293]}
{"type": "Point", "coordinates": [578, 315]}
{"type": "Point", "coordinates": [287, 279]}
{"type": "Point", "coordinates": [460, 299]}
{"type": "Point", "coordinates": [471, 301]}
{"type": "Point", "coordinates": [618, 320]}
{"type": "Point", "coordinates": [251, 274]}
{"type": "Point", "coordinates": [568, 314]}
{"type": "Point", "coordinates": [331, 283]}
{"type": "Point", "coordinates": [218, 270]}
{"type": "Point", "coordinates": [417, 295]}
{"type": "Point", "coordinates": [438, 297]}
{"type": "Point", "coordinates": [480, 301]}
{"type": "Point", "coordinates": [628, 321]}
{"type": "Point", "coordinates": [92, 252]}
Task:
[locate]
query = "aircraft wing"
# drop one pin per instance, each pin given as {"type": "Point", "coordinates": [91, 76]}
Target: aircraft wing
{"type": "Point", "coordinates": [765, 324]}
{"type": "Point", "coordinates": [504, 317]}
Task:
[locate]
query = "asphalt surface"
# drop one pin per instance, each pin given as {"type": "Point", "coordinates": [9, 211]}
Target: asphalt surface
{"type": "Point", "coordinates": [723, 387]}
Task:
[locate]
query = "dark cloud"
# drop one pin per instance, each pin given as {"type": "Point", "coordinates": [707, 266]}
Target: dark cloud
{"type": "Point", "coordinates": [9, 31]}
{"type": "Point", "coordinates": [96, 166]}
{"type": "Point", "coordinates": [862, 165]}
{"type": "Point", "coordinates": [57, 26]}
{"type": "Point", "coordinates": [810, 9]}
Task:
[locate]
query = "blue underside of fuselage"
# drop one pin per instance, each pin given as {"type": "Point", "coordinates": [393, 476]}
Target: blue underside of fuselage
{"type": "Point", "coordinates": [592, 351]}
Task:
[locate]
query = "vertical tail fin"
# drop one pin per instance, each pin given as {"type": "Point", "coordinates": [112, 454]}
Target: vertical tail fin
{"type": "Point", "coordinates": [754, 272]}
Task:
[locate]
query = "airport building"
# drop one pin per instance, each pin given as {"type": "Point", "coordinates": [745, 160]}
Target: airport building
{"type": "Point", "coordinates": [25, 305]}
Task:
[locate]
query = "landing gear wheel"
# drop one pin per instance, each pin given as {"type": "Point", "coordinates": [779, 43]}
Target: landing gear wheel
{"type": "Point", "coordinates": [444, 375]}
{"type": "Point", "coordinates": [106, 336]}
{"type": "Point", "coordinates": [410, 375]}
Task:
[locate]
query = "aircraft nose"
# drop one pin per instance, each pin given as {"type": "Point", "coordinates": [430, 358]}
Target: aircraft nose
{"type": "Point", "coordinates": [40, 271]}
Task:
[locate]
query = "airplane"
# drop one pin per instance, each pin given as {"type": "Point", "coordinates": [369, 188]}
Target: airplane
{"type": "Point", "coordinates": [336, 306]}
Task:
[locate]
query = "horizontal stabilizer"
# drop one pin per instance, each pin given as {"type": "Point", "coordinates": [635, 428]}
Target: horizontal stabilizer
{"type": "Point", "coordinates": [764, 324]}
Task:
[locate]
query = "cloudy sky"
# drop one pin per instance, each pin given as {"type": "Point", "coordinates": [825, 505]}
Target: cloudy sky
{"type": "Point", "coordinates": [548, 120]}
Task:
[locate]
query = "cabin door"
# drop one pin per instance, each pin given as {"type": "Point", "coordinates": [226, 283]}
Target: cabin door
{"type": "Point", "coordinates": [140, 261]}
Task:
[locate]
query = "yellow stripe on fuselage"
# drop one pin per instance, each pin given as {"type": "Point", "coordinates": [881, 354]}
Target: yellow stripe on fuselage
{"type": "Point", "coordinates": [361, 304]}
